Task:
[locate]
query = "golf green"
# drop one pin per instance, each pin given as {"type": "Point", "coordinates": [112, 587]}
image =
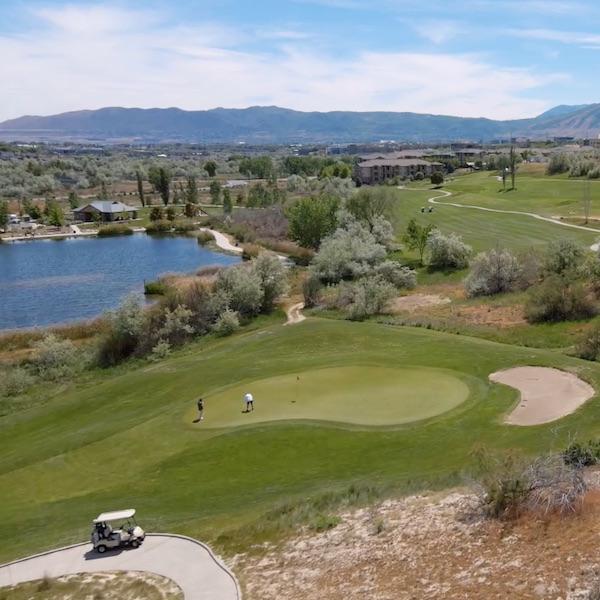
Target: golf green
{"type": "Point", "coordinates": [358, 395]}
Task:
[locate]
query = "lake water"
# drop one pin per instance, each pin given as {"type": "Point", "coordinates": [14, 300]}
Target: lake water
{"type": "Point", "coordinates": [54, 281]}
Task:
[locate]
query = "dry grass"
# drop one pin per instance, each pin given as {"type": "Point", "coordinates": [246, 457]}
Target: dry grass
{"type": "Point", "coordinates": [124, 585]}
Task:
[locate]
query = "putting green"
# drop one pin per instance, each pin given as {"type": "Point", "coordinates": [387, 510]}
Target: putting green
{"type": "Point", "coordinates": [360, 395]}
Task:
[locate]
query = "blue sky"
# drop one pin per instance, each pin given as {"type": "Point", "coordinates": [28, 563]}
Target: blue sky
{"type": "Point", "coordinates": [492, 58]}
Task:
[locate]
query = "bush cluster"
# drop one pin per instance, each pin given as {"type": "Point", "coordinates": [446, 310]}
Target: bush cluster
{"type": "Point", "coordinates": [447, 251]}
{"type": "Point", "coordinates": [493, 272]}
{"type": "Point", "coordinates": [238, 292]}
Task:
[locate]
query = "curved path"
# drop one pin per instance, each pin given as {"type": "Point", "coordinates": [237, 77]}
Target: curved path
{"type": "Point", "coordinates": [445, 194]}
{"type": "Point", "coordinates": [222, 241]}
{"type": "Point", "coordinates": [189, 563]}
{"type": "Point", "coordinates": [294, 314]}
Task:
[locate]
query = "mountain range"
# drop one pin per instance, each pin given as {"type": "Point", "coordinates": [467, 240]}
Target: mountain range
{"type": "Point", "coordinates": [271, 124]}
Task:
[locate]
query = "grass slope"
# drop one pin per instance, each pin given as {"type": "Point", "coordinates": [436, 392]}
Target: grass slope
{"type": "Point", "coordinates": [125, 439]}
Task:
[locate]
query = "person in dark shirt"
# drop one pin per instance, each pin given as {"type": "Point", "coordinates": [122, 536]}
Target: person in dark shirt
{"type": "Point", "coordinates": [200, 409]}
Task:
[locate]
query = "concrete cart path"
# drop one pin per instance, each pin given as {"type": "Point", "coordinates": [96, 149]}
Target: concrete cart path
{"type": "Point", "coordinates": [187, 562]}
{"type": "Point", "coordinates": [445, 194]}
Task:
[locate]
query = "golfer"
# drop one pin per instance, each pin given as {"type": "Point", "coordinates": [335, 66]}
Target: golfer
{"type": "Point", "coordinates": [249, 400]}
{"type": "Point", "coordinates": [200, 409]}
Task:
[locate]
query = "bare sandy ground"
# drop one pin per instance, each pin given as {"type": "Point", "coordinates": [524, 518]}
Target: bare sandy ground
{"type": "Point", "coordinates": [413, 302]}
{"type": "Point", "coordinates": [546, 394]}
{"type": "Point", "coordinates": [294, 314]}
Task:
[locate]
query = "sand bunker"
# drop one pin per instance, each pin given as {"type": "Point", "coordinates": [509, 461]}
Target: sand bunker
{"type": "Point", "coordinates": [546, 394]}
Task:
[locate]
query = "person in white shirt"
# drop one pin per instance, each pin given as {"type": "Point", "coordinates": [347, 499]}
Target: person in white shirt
{"type": "Point", "coordinates": [249, 400]}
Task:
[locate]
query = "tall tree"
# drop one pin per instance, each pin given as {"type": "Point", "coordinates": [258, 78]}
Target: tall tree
{"type": "Point", "coordinates": [512, 161]}
{"type": "Point", "coordinates": [210, 166]}
{"type": "Point", "coordinates": [227, 203]}
{"type": "Point", "coordinates": [215, 191]}
{"type": "Point", "coordinates": [370, 203]}
{"type": "Point", "coordinates": [3, 213]}
{"type": "Point", "coordinates": [587, 201]}
{"type": "Point", "coordinates": [103, 194]}
{"type": "Point", "coordinates": [73, 199]}
{"type": "Point", "coordinates": [191, 190]}
{"type": "Point", "coordinates": [311, 219]}
{"type": "Point", "coordinates": [140, 187]}
{"type": "Point", "coordinates": [162, 184]}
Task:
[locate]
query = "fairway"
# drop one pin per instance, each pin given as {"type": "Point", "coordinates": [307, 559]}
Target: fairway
{"type": "Point", "coordinates": [359, 395]}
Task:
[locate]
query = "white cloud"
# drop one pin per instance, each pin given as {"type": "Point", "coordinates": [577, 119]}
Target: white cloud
{"type": "Point", "coordinates": [68, 65]}
{"type": "Point", "coordinates": [555, 35]}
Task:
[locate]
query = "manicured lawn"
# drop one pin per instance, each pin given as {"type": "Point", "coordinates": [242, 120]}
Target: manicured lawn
{"type": "Point", "coordinates": [358, 394]}
{"type": "Point", "coordinates": [482, 229]}
{"type": "Point", "coordinates": [125, 438]}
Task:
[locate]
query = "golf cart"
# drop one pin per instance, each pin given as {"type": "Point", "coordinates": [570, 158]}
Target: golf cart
{"type": "Point", "coordinates": [126, 532]}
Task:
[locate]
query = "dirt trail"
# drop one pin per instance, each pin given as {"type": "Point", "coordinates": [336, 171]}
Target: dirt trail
{"type": "Point", "coordinates": [294, 314]}
{"type": "Point", "coordinates": [222, 241]}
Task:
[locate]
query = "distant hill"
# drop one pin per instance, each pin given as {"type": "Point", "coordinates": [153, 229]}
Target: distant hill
{"type": "Point", "coordinates": [271, 124]}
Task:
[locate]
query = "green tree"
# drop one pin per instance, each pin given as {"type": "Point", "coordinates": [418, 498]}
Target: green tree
{"type": "Point", "coordinates": [171, 213]}
{"type": "Point", "coordinates": [370, 203]}
{"type": "Point", "coordinates": [312, 219]}
{"type": "Point", "coordinates": [73, 199]}
{"type": "Point", "coordinates": [156, 214]}
{"type": "Point", "coordinates": [260, 167]}
{"type": "Point", "coordinates": [191, 190]}
{"type": "Point", "coordinates": [210, 166]}
{"type": "Point", "coordinates": [215, 191]}
{"type": "Point", "coordinates": [164, 185]}
{"type": "Point", "coordinates": [227, 203]}
{"type": "Point", "coordinates": [140, 187]}
{"type": "Point", "coordinates": [416, 237]}
{"type": "Point", "coordinates": [56, 216]}
{"type": "Point", "coordinates": [190, 210]}
{"type": "Point", "coordinates": [437, 178]}
{"type": "Point", "coordinates": [512, 162]}
{"type": "Point", "coordinates": [3, 214]}
{"type": "Point", "coordinates": [103, 194]}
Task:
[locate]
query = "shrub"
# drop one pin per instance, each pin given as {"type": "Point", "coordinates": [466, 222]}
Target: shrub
{"type": "Point", "coordinates": [348, 254]}
{"type": "Point", "coordinates": [589, 346]}
{"type": "Point", "coordinates": [562, 256]}
{"type": "Point", "coordinates": [312, 219]}
{"type": "Point", "coordinates": [493, 272]}
{"type": "Point", "coordinates": [159, 227]}
{"type": "Point", "coordinates": [161, 350]}
{"type": "Point", "coordinates": [419, 176]}
{"type": "Point", "coordinates": [399, 276]}
{"type": "Point", "coordinates": [116, 229]}
{"type": "Point", "coordinates": [14, 381]}
{"type": "Point", "coordinates": [183, 227]}
{"type": "Point", "coordinates": [55, 358]}
{"type": "Point", "coordinates": [227, 323]}
{"type": "Point", "coordinates": [250, 251]}
{"type": "Point", "coordinates": [157, 213]}
{"type": "Point", "coordinates": [324, 522]}
{"type": "Point", "coordinates": [243, 289]}
{"type": "Point", "coordinates": [559, 163]}
{"type": "Point", "coordinates": [301, 256]}
{"type": "Point", "coordinates": [582, 454]}
{"type": "Point", "coordinates": [311, 288]}
{"type": "Point", "coordinates": [205, 237]}
{"type": "Point", "coordinates": [557, 299]}
{"type": "Point", "coordinates": [126, 327]}
{"type": "Point", "coordinates": [273, 279]}
{"type": "Point", "coordinates": [155, 288]}
{"type": "Point", "coordinates": [447, 251]}
{"type": "Point", "coordinates": [365, 297]}
{"type": "Point", "coordinates": [176, 326]}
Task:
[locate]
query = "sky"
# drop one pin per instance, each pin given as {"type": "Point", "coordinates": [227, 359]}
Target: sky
{"type": "Point", "coordinates": [500, 59]}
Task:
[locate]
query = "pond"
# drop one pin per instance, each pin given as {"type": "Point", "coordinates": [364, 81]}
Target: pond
{"type": "Point", "coordinates": [45, 282]}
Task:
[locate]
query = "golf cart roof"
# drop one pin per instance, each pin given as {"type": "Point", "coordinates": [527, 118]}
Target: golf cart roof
{"type": "Point", "coordinates": [115, 515]}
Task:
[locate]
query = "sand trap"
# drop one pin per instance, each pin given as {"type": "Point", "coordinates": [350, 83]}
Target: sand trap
{"type": "Point", "coordinates": [546, 394]}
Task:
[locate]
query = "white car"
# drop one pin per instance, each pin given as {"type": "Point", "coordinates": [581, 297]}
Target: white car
{"type": "Point", "coordinates": [116, 529]}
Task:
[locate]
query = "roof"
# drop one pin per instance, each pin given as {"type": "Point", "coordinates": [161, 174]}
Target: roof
{"type": "Point", "coordinates": [395, 162]}
{"type": "Point", "coordinates": [115, 515]}
{"type": "Point", "coordinates": [107, 206]}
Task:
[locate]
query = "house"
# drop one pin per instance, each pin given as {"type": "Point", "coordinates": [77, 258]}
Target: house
{"type": "Point", "coordinates": [379, 170]}
{"type": "Point", "coordinates": [105, 210]}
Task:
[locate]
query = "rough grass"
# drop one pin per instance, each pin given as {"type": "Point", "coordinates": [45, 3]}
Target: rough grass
{"type": "Point", "coordinates": [133, 424]}
{"type": "Point", "coordinates": [98, 586]}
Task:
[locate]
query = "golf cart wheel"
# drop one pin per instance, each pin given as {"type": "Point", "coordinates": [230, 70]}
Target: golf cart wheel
{"type": "Point", "coordinates": [101, 549]}
{"type": "Point", "coordinates": [135, 544]}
